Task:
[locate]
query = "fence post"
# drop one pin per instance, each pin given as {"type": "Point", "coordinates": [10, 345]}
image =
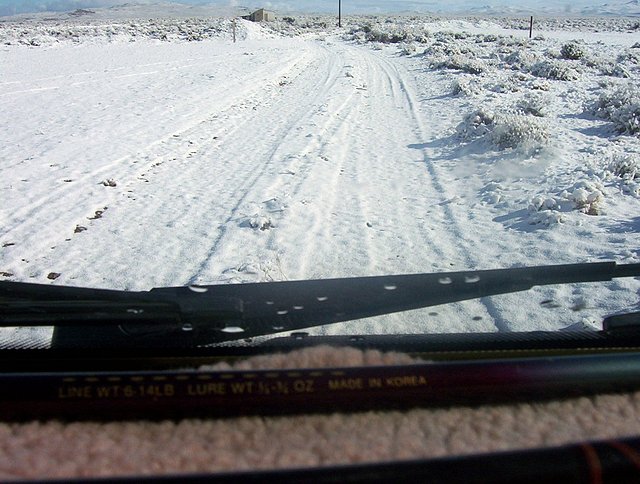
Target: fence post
{"type": "Point", "coordinates": [531, 27]}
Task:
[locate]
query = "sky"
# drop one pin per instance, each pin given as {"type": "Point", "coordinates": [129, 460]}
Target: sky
{"type": "Point", "coordinates": [12, 7]}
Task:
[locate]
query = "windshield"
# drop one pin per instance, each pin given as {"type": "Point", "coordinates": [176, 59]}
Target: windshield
{"type": "Point", "coordinates": [162, 144]}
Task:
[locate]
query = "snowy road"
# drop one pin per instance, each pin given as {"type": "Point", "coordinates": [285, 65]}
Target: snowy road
{"type": "Point", "coordinates": [308, 164]}
{"type": "Point", "coordinates": [270, 159]}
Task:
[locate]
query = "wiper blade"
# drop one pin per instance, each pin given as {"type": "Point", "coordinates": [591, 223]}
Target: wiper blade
{"type": "Point", "coordinates": [24, 304]}
{"type": "Point", "coordinates": [198, 315]}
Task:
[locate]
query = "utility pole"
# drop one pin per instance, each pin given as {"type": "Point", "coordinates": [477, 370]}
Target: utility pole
{"type": "Point", "coordinates": [531, 27]}
{"type": "Point", "coordinates": [339, 13]}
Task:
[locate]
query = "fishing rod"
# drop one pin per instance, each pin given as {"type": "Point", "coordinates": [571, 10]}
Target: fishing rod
{"type": "Point", "coordinates": [127, 361]}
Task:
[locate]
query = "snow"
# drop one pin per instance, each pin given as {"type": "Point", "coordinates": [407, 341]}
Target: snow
{"type": "Point", "coordinates": [134, 157]}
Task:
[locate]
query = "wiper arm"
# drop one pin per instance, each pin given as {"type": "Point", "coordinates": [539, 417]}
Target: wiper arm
{"type": "Point", "coordinates": [216, 313]}
{"type": "Point", "coordinates": [142, 314]}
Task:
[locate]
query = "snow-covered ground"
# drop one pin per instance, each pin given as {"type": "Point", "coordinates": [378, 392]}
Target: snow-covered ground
{"type": "Point", "coordinates": [133, 156]}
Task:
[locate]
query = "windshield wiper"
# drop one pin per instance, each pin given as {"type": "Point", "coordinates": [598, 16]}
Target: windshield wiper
{"type": "Point", "coordinates": [119, 354]}
{"type": "Point", "coordinates": [198, 315]}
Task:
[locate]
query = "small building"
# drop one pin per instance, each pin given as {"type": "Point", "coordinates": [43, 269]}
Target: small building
{"type": "Point", "coordinates": [262, 15]}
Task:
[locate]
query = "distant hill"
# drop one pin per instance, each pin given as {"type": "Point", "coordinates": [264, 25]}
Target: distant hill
{"type": "Point", "coordinates": [544, 7]}
{"type": "Point", "coordinates": [136, 9]}
{"type": "Point", "coordinates": [623, 8]}
{"type": "Point", "coordinates": [168, 9]}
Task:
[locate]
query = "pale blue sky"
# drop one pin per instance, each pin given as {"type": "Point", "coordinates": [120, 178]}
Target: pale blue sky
{"type": "Point", "coordinates": [10, 7]}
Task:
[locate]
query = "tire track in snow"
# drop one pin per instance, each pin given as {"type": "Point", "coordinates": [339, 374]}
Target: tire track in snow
{"type": "Point", "coordinates": [327, 151]}
{"type": "Point", "coordinates": [191, 227]}
{"type": "Point", "coordinates": [397, 176]}
{"type": "Point", "coordinates": [38, 211]}
{"type": "Point", "coordinates": [339, 215]}
{"type": "Point", "coordinates": [364, 191]}
{"type": "Point", "coordinates": [275, 165]}
{"type": "Point", "coordinates": [403, 94]}
{"type": "Point", "coordinates": [454, 230]}
{"type": "Point", "coordinates": [100, 77]}
{"type": "Point", "coordinates": [307, 174]}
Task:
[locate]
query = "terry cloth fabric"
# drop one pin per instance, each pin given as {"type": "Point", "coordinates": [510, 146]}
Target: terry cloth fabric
{"type": "Point", "coordinates": [54, 449]}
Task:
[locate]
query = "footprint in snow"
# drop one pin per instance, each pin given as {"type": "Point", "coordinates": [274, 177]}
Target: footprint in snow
{"type": "Point", "coordinates": [275, 205]}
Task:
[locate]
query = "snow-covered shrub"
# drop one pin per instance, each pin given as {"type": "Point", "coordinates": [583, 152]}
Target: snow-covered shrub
{"type": "Point", "coordinates": [522, 59]}
{"type": "Point", "coordinates": [388, 32]}
{"type": "Point", "coordinates": [33, 41]}
{"type": "Point", "coordinates": [178, 29]}
{"type": "Point", "coordinates": [540, 85]}
{"type": "Point", "coordinates": [462, 63]}
{"type": "Point", "coordinates": [534, 104]}
{"type": "Point", "coordinates": [631, 56]}
{"type": "Point", "coordinates": [505, 85]}
{"type": "Point", "coordinates": [504, 130]}
{"type": "Point", "coordinates": [625, 169]}
{"type": "Point", "coordinates": [476, 124]}
{"type": "Point", "coordinates": [357, 35]}
{"type": "Point", "coordinates": [511, 41]}
{"type": "Point", "coordinates": [555, 70]}
{"type": "Point", "coordinates": [576, 24]}
{"type": "Point", "coordinates": [465, 87]}
{"type": "Point", "coordinates": [545, 211]}
{"type": "Point", "coordinates": [573, 50]}
{"type": "Point", "coordinates": [408, 49]}
{"type": "Point", "coordinates": [547, 218]}
{"type": "Point", "coordinates": [486, 38]}
{"type": "Point", "coordinates": [613, 98]}
{"type": "Point", "coordinates": [519, 131]}
{"type": "Point", "coordinates": [446, 46]}
{"type": "Point", "coordinates": [539, 203]}
{"type": "Point", "coordinates": [627, 119]}
{"type": "Point", "coordinates": [586, 196]}
{"type": "Point", "coordinates": [626, 166]}
{"type": "Point", "coordinates": [615, 70]}
{"type": "Point", "coordinates": [394, 36]}
{"type": "Point", "coordinates": [620, 105]}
